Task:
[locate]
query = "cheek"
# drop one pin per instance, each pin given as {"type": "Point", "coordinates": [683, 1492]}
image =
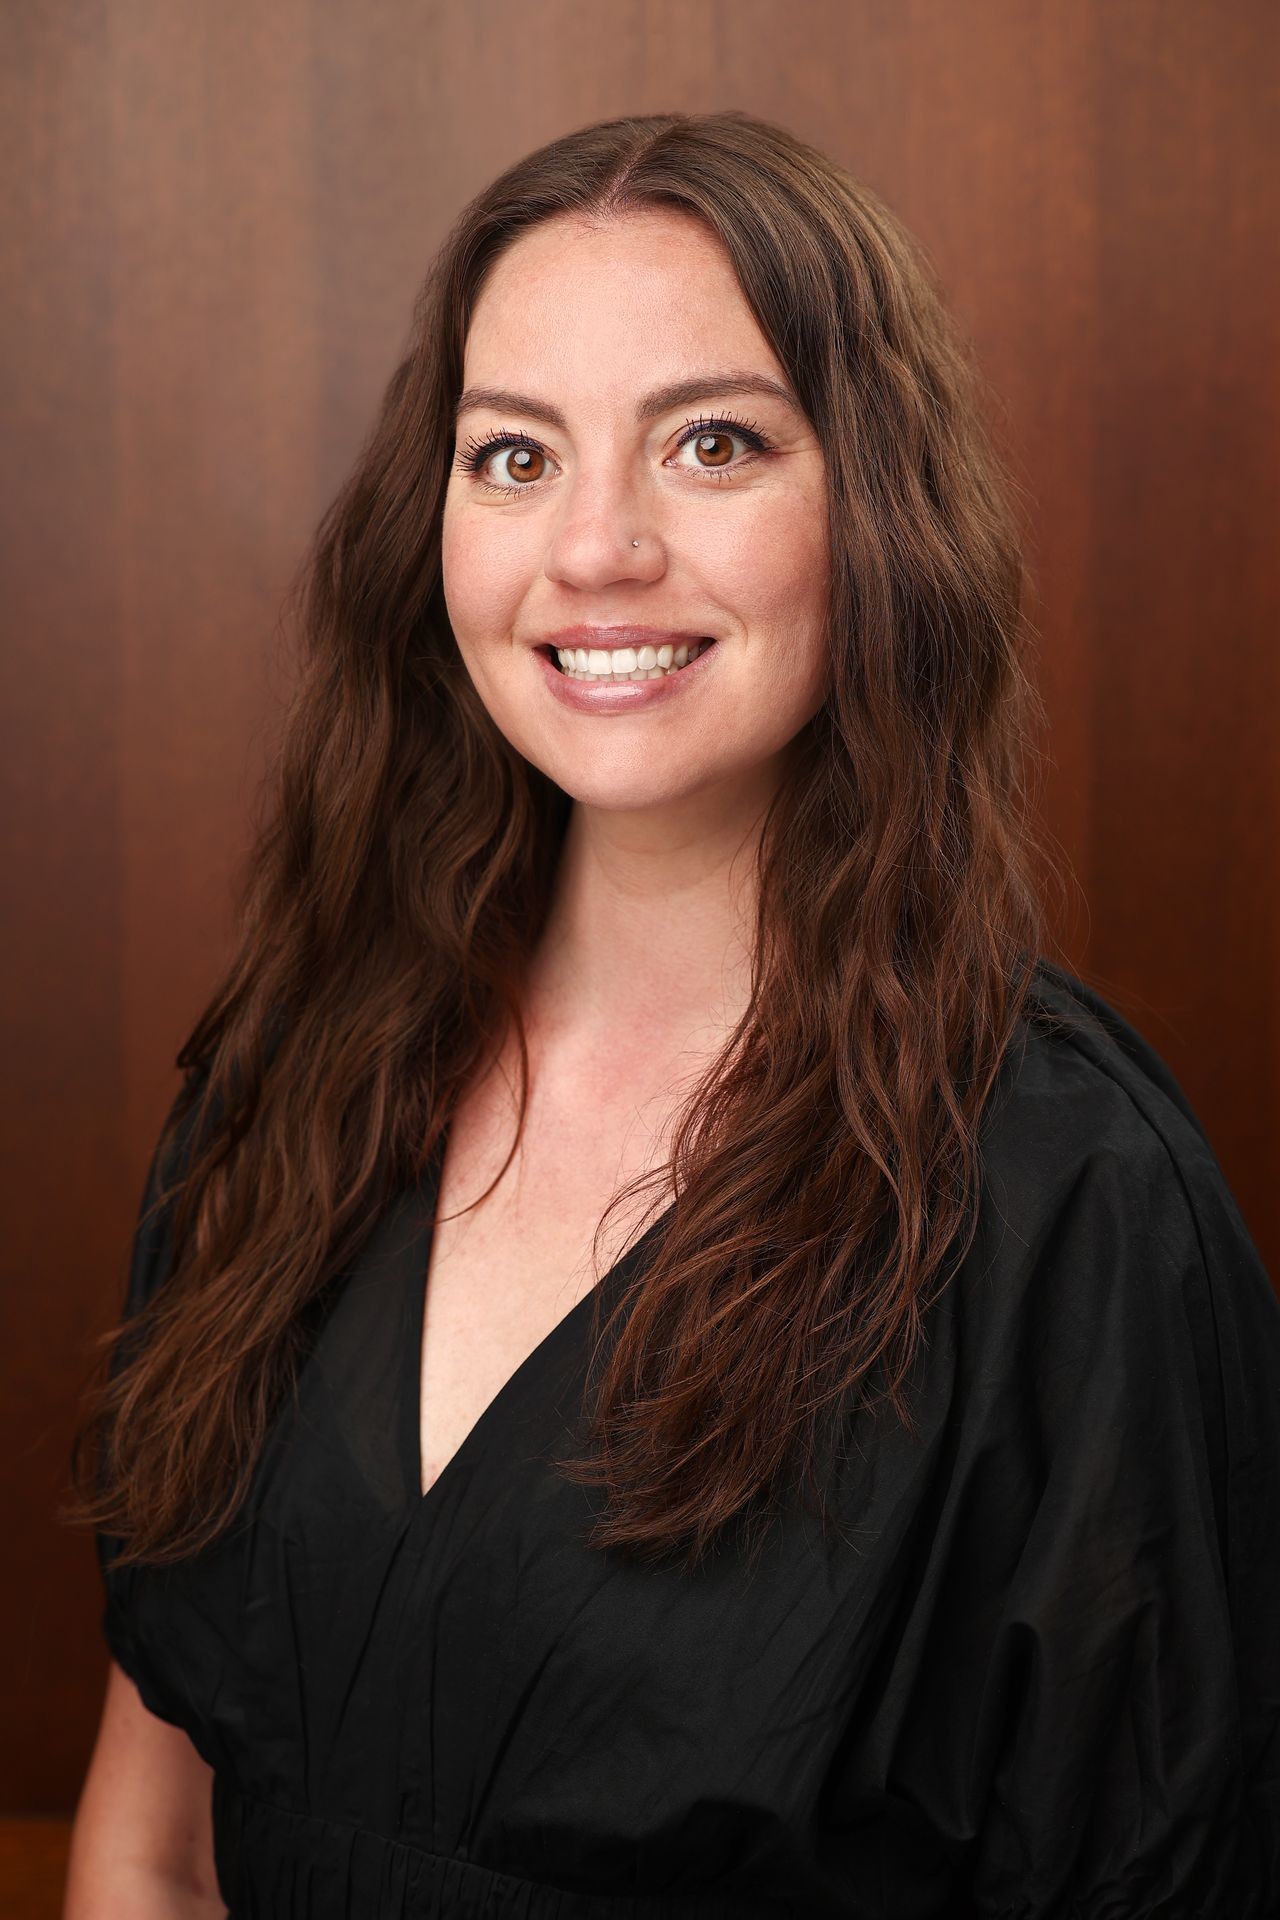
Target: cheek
{"type": "Point", "coordinates": [784, 580]}
{"type": "Point", "coordinates": [481, 585]}
{"type": "Point", "coordinates": [777, 557]}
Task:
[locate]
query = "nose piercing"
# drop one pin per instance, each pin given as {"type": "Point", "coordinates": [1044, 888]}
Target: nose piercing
{"type": "Point", "coordinates": [635, 543]}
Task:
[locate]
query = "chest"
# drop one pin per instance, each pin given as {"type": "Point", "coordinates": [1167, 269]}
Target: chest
{"type": "Point", "coordinates": [465, 1674]}
{"type": "Point", "coordinates": [506, 1266]}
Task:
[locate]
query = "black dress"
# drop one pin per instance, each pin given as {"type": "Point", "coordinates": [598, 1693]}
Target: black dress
{"type": "Point", "coordinates": [1037, 1679]}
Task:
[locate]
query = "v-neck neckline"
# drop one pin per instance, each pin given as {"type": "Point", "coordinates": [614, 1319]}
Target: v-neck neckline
{"type": "Point", "coordinates": [417, 1262]}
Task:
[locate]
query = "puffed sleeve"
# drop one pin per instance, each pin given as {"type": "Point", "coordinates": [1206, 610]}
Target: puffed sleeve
{"type": "Point", "coordinates": [1132, 1696]}
{"type": "Point", "coordinates": [149, 1265]}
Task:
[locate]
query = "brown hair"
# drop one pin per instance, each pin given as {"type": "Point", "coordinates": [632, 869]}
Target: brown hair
{"type": "Point", "coordinates": [823, 1178]}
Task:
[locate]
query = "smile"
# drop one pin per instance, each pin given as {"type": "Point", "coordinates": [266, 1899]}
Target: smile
{"type": "Point", "coordinates": [629, 689]}
{"type": "Point", "coordinates": [627, 663]}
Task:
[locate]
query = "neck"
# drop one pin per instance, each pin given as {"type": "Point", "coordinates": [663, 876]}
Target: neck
{"type": "Point", "coordinates": [647, 948]}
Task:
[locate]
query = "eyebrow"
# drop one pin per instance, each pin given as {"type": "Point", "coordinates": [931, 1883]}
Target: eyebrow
{"type": "Point", "coordinates": [677, 393]}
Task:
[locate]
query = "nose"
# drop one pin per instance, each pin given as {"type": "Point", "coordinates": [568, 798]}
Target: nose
{"type": "Point", "coordinates": [605, 533]}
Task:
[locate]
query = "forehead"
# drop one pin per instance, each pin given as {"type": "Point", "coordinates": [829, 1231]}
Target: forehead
{"type": "Point", "coordinates": [613, 306]}
{"type": "Point", "coordinates": [642, 241]}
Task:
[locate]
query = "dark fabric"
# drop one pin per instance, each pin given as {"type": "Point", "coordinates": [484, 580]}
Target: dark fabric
{"type": "Point", "coordinates": [1036, 1677]}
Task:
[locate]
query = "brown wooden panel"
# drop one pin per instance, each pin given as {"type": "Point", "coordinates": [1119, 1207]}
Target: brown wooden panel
{"type": "Point", "coordinates": [33, 1868]}
{"type": "Point", "coordinates": [217, 219]}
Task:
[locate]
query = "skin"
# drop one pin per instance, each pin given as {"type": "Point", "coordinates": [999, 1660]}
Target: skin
{"type": "Point", "coordinates": [142, 1841]}
{"type": "Point", "coordinates": [653, 893]}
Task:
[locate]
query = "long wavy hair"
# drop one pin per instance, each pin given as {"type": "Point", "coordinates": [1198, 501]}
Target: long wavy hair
{"type": "Point", "coordinates": [823, 1175]}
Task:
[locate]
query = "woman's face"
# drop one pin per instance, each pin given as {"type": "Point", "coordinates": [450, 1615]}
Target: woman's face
{"type": "Point", "coordinates": [579, 328]}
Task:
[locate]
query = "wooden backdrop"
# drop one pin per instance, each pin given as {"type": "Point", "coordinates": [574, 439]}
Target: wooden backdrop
{"type": "Point", "coordinates": [216, 219]}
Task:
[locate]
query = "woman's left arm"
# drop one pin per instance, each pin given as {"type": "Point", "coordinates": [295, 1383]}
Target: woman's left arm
{"type": "Point", "coordinates": [1132, 1698]}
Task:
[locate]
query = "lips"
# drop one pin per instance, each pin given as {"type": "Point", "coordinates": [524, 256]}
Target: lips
{"type": "Point", "coordinates": [632, 694]}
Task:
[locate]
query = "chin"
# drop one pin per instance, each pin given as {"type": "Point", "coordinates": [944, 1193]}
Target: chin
{"type": "Point", "coordinates": [615, 789]}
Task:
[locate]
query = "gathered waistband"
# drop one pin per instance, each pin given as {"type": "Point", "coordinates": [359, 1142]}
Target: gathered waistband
{"type": "Point", "coordinates": [275, 1864]}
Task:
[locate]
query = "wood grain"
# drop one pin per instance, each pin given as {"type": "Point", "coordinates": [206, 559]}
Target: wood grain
{"type": "Point", "coordinates": [33, 1868]}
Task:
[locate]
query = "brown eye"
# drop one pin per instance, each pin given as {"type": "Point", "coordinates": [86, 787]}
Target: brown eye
{"type": "Point", "coordinates": [526, 462]}
{"type": "Point", "coordinates": [718, 447]}
{"type": "Point", "coordinates": [523, 463]}
{"type": "Point", "coordinates": [722, 446]}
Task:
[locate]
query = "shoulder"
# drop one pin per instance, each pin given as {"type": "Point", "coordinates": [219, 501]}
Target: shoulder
{"type": "Point", "coordinates": [1114, 1358]}
{"type": "Point", "coordinates": [1104, 1219]}
{"type": "Point", "coordinates": [1084, 1098]}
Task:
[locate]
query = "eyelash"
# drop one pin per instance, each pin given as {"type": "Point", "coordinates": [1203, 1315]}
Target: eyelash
{"type": "Point", "coordinates": [476, 452]}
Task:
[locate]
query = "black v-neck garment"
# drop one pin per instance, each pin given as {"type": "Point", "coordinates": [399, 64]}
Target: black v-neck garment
{"type": "Point", "coordinates": [1037, 1679]}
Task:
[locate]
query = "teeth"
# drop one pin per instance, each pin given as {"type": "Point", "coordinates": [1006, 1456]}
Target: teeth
{"type": "Point", "coordinates": [628, 663]}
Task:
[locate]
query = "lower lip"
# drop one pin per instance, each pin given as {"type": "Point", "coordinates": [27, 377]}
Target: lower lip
{"type": "Point", "coordinates": [623, 696]}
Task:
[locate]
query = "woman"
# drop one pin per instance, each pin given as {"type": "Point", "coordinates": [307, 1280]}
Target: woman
{"type": "Point", "coordinates": [882, 1526]}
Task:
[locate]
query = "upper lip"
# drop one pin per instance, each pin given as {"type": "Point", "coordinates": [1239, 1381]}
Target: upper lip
{"type": "Point", "coordinates": [585, 636]}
